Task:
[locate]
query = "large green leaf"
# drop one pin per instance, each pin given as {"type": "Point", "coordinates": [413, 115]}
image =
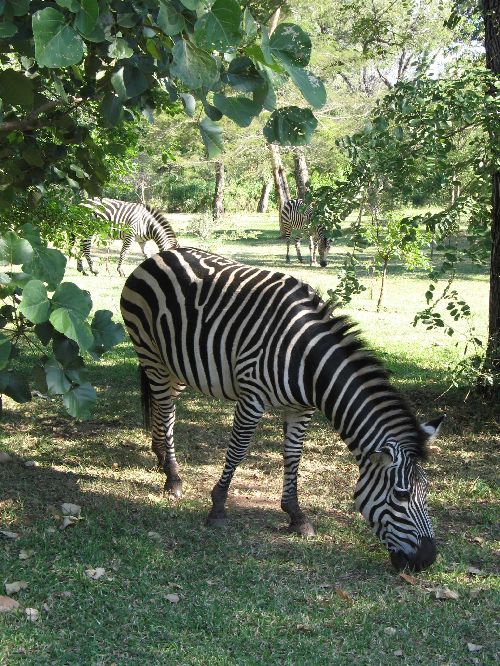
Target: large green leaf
{"type": "Point", "coordinates": [5, 349]}
{"type": "Point", "coordinates": [71, 297]}
{"type": "Point", "coordinates": [56, 43]}
{"type": "Point", "coordinates": [73, 327]}
{"type": "Point", "coordinates": [35, 304]}
{"type": "Point", "coordinates": [170, 20]}
{"type": "Point", "coordinates": [111, 110]}
{"type": "Point", "coordinates": [18, 7]}
{"type": "Point", "coordinates": [242, 75]}
{"type": "Point", "coordinates": [240, 109]}
{"type": "Point", "coordinates": [14, 250]}
{"type": "Point", "coordinates": [128, 82]}
{"type": "Point", "coordinates": [309, 85]}
{"type": "Point", "coordinates": [219, 28]}
{"type": "Point", "coordinates": [7, 29]}
{"type": "Point", "coordinates": [66, 351]}
{"type": "Point", "coordinates": [14, 386]}
{"type": "Point", "coordinates": [57, 382]}
{"type": "Point", "coordinates": [120, 49]}
{"type": "Point", "coordinates": [193, 66]}
{"type": "Point", "coordinates": [291, 126]}
{"type": "Point", "coordinates": [80, 401]}
{"type": "Point", "coordinates": [47, 264]}
{"type": "Point", "coordinates": [290, 45]}
{"type": "Point", "coordinates": [86, 18]}
{"type": "Point", "coordinates": [15, 88]}
{"type": "Point", "coordinates": [106, 332]}
{"type": "Point", "coordinates": [72, 5]}
{"type": "Point", "coordinates": [211, 133]}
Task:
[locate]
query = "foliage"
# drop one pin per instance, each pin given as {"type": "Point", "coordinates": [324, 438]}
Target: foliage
{"type": "Point", "coordinates": [70, 66]}
{"type": "Point", "coordinates": [54, 327]}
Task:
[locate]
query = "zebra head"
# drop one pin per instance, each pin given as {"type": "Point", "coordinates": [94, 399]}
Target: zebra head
{"type": "Point", "coordinates": [391, 494]}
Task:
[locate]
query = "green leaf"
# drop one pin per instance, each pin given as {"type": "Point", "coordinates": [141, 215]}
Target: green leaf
{"type": "Point", "coordinates": [14, 386]}
{"type": "Point", "coordinates": [73, 327]}
{"type": "Point", "coordinates": [191, 4]}
{"type": "Point", "coordinates": [290, 45]}
{"type": "Point", "coordinates": [57, 382]}
{"type": "Point", "coordinates": [189, 103]}
{"type": "Point", "coordinates": [309, 85]}
{"type": "Point", "coordinates": [86, 18]}
{"type": "Point", "coordinates": [7, 29]}
{"type": "Point", "coordinates": [19, 7]}
{"type": "Point", "coordinates": [5, 279]}
{"type": "Point", "coordinates": [169, 20]}
{"type": "Point", "coordinates": [80, 401]}
{"type": "Point", "coordinates": [44, 332]}
{"type": "Point", "coordinates": [111, 110]}
{"type": "Point", "coordinates": [106, 332]}
{"type": "Point", "coordinates": [120, 49]}
{"type": "Point", "coordinates": [66, 351]}
{"type": "Point", "coordinates": [14, 250]}
{"type": "Point", "coordinates": [128, 82]}
{"type": "Point", "coordinates": [219, 28]}
{"type": "Point", "coordinates": [47, 264]}
{"type": "Point", "coordinates": [5, 349]}
{"type": "Point", "coordinates": [72, 5]}
{"type": "Point", "coordinates": [56, 43]}
{"type": "Point", "coordinates": [32, 155]}
{"type": "Point", "coordinates": [35, 304]}
{"type": "Point", "coordinates": [193, 66]}
{"type": "Point", "coordinates": [242, 75]}
{"type": "Point", "coordinates": [16, 89]}
{"type": "Point", "coordinates": [290, 126]}
{"type": "Point", "coordinates": [211, 133]}
{"type": "Point", "coordinates": [72, 298]}
{"type": "Point", "coordinates": [240, 109]}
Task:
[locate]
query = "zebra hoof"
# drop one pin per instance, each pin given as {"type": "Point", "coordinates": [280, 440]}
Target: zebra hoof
{"type": "Point", "coordinates": [303, 529]}
{"type": "Point", "coordinates": [173, 489]}
{"type": "Point", "coordinates": [216, 521]}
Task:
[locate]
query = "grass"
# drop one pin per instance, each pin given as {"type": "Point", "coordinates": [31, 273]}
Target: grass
{"type": "Point", "coordinates": [250, 594]}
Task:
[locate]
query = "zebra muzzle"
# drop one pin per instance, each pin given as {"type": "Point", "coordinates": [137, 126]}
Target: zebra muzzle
{"type": "Point", "coordinates": [423, 557]}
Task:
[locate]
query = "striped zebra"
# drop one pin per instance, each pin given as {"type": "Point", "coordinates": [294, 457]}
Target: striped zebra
{"type": "Point", "coordinates": [265, 340]}
{"type": "Point", "coordinates": [294, 221]}
{"type": "Point", "coordinates": [129, 221]}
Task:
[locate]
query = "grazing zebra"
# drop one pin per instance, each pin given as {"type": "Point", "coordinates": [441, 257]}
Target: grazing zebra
{"type": "Point", "coordinates": [265, 340]}
{"type": "Point", "coordinates": [129, 221]}
{"type": "Point", "coordinates": [294, 220]}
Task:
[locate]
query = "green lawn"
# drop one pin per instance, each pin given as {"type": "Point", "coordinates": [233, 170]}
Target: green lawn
{"type": "Point", "coordinates": [251, 593]}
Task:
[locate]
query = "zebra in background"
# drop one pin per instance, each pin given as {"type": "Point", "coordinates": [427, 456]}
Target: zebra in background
{"type": "Point", "coordinates": [265, 340]}
{"type": "Point", "coordinates": [129, 221]}
{"type": "Point", "coordinates": [295, 220]}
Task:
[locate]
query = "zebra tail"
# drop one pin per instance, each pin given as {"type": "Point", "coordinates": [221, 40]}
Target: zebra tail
{"type": "Point", "coordinates": [146, 402]}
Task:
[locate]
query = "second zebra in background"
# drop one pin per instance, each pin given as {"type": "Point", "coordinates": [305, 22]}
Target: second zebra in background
{"type": "Point", "coordinates": [129, 222]}
{"type": "Point", "coordinates": [295, 220]}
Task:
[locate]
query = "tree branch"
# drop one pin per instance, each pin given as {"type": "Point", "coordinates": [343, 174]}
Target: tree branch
{"type": "Point", "coordinates": [32, 120]}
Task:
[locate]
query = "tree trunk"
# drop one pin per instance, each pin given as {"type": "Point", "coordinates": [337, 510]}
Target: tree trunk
{"type": "Point", "coordinates": [382, 284]}
{"type": "Point", "coordinates": [279, 176]}
{"type": "Point", "coordinates": [491, 13]}
{"type": "Point", "coordinates": [301, 173]}
{"type": "Point", "coordinates": [218, 210]}
{"type": "Point", "coordinates": [264, 196]}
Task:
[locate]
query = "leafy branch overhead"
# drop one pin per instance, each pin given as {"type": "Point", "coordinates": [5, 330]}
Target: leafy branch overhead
{"type": "Point", "coordinates": [63, 63]}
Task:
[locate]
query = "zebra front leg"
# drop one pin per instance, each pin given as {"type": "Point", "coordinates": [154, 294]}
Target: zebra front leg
{"type": "Point", "coordinates": [294, 429]}
{"type": "Point", "coordinates": [127, 242]}
{"type": "Point", "coordinates": [312, 251]}
{"type": "Point", "coordinates": [246, 417]}
{"type": "Point", "coordinates": [288, 249]}
{"type": "Point", "coordinates": [297, 249]}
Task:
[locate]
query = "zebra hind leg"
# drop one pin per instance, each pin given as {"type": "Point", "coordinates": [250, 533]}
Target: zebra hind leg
{"type": "Point", "coordinates": [294, 429]}
{"type": "Point", "coordinates": [246, 417]}
{"type": "Point", "coordinates": [297, 249]}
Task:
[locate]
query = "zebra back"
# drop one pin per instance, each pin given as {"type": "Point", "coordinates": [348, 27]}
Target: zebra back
{"type": "Point", "coordinates": [294, 217]}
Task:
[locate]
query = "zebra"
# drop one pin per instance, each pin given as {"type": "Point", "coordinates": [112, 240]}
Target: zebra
{"type": "Point", "coordinates": [265, 340]}
{"type": "Point", "coordinates": [129, 221]}
{"type": "Point", "coordinates": [294, 219]}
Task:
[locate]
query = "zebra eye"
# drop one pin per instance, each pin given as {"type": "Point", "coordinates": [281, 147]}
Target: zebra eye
{"type": "Point", "coordinates": [402, 495]}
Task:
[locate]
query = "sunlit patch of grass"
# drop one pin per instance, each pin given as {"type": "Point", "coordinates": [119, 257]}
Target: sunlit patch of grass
{"type": "Point", "coordinates": [252, 593]}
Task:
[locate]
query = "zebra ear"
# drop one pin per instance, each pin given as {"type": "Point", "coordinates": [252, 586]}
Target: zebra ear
{"type": "Point", "coordinates": [431, 428]}
{"type": "Point", "coordinates": [382, 457]}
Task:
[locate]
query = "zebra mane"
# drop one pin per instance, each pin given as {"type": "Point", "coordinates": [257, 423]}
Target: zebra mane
{"type": "Point", "coordinates": [160, 217]}
{"type": "Point", "coordinates": [347, 331]}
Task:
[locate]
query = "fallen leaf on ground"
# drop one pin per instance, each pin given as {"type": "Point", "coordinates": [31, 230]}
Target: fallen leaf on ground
{"type": "Point", "coordinates": [8, 604]}
{"type": "Point", "coordinates": [16, 586]}
{"type": "Point", "coordinates": [154, 535]}
{"type": "Point", "coordinates": [4, 458]}
{"type": "Point", "coordinates": [26, 554]}
{"type": "Point", "coordinates": [173, 598]}
{"type": "Point", "coordinates": [68, 521]}
{"type": "Point", "coordinates": [398, 653]}
{"type": "Point", "coordinates": [69, 509]}
{"type": "Point", "coordinates": [390, 631]}
{"type": "Point", "coordinates": [96, 573]}
{"type": "Point", "coordinates": [5, 534]}
{"type": "Point", "coordinates": [443, 593]}
{"type": "Point", "coordinates": [472, 647]}
{"type": "Point", "coordinates": [30, 463]}
{"type": "Point", "coordinates": [343, 595]}
{"type": "Point", "coordinates": [31, 614]}
{"type": "Point", "coordinates": [475, 592]}
{"type": "Point", "coordinates": [474, 571]}
{"type": "Point", "coordinates": [409, 579]}
{"type": "Point", "coordinates": [478, 539]}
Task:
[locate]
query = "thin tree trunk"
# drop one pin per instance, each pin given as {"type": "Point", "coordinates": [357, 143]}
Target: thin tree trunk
{"type": "Point", "coordinates": [264, 196]}
{"type": "Point", "coordinates": [279, 176]}
{"type": "Point", "coordinates": [491, 14]}
{"type": "Point", "coordinates": [301, 172]}
{"type": "Point", "coordinates": [218, 210]}
{"type": "Point", "coordinates": [382, 284]}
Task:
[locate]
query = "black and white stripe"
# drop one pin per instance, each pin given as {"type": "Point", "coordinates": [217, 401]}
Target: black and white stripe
{"type": "Point", "coordinates": [265, 340]}
{"type": "Point", "coordinates": [295, 220]}
{"type": "Point", "coordinates": [129, 222]}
